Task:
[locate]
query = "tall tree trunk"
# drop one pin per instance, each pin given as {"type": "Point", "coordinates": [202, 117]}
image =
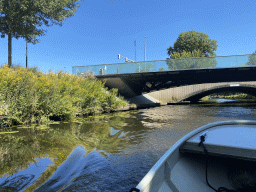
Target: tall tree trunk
{"type": "Point", "coordinates": [9, 49]}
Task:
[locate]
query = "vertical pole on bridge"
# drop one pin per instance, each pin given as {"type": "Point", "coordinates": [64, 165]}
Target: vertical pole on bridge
{"type": "Point", "coordinates": [135, 50]}
{"type": "Point", "coordinates": [145, 48]}
{"type": "Point", "coordinates": [26, 53]}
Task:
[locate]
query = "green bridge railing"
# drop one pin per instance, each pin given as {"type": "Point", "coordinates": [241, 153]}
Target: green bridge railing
{"type": "Point", "coordinates": [168, 65]}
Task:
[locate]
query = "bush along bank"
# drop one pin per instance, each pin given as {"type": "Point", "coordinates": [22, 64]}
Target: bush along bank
{"type": "Point", "coordinates": [230, 95]}
{"type": "Point", "coordinates": [31, 96]}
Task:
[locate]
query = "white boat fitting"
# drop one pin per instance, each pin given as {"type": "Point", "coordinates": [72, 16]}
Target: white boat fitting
{"type": "Point", "coordinates": [220, 156]}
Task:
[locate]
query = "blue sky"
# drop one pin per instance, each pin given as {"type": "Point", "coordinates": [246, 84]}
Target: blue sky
{"type": "Point", "coordinates": [102, 29]}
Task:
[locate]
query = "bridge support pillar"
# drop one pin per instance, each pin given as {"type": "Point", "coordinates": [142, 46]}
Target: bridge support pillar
{"type": "Point", "coordinates": [145, 100]}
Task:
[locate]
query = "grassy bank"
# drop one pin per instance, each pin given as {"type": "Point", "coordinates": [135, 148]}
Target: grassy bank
{"type": "Point", "coordinates": [31, 96]}
{"type": "Point", "coordinates": [235, 96]}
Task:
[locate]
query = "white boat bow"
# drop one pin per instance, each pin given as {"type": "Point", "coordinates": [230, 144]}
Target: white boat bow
{"type": "Point", "coordinates": [219, 156]}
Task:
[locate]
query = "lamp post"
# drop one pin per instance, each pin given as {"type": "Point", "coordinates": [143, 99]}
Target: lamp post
{"type": "Point", "coordinates": [135, 50]}
{"type": "Point", "coordinates": [145, 48]}
{"type": "Point", "coordinates": [26, 53]}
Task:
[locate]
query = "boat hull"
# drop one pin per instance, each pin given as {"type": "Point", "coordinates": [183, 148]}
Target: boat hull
{"type": "Point", "coordinates": [183, 166]}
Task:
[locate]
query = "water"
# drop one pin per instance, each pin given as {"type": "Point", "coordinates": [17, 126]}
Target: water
{"type": "Point", "coordinates": [112, 153]}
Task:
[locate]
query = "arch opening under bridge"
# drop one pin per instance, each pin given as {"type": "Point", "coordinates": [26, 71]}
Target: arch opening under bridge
{"type": "Point", "coordinates": [194, 93]}
{"type": "Point", "coordinates": [196, 96]}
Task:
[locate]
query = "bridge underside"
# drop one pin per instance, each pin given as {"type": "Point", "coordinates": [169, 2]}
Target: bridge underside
{"type": "Point", "coordinates": [134, 84]}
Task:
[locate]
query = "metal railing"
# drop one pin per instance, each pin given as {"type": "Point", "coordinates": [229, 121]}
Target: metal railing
{"type": "Point", "coordinates": [168, 65]}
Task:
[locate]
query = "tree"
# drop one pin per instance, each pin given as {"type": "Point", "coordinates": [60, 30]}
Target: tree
{"type": "Point", "coordinates": [191, 41]}
{"type": "Point", "coordinates": [187, 54]}
{"type": "Point", "coordinates": [190, 45]}
{"type": "Point", "coordinates": [252, 60]}
{"type": "Point", "coordinates": [22, 18]}
{"type": "Point", "coordinates": [190, 60]}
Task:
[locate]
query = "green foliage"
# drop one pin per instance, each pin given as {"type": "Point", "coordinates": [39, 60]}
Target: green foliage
{"type": "Point", "coordinates": [34, 96]}
{"type": "Point", "coordinates": [191, 41]}
{"type": "Point", "coordinates": [187, 54]}
{"type": "Point", "coordinates": [206, 98]}
{"type": "Point", "coordinates": [252, 60]}
{"type": "Point", "coordinates": [23, 17]}
{"type": "Point", "coordinates": [232, 95]}
{"type": "Point", "coordinates": [189, 45]}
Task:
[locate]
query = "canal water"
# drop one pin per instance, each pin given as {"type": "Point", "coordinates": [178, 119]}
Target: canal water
{"type": "Point", "coordinates": [112, 152]}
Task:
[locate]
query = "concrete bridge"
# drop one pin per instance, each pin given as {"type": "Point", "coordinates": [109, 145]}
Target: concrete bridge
{"type": "Point", "coordinates": [177, 80]}
{"type": "Point", "coordinates": [134, 84]}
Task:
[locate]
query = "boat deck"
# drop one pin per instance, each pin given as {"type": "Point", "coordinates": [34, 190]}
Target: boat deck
{"type": "Point", "coordinates": [231, 147]}
{"type": "Point", "coordinates": [237, 141]}
{"type": "Point", "coordinates": [189, 174]}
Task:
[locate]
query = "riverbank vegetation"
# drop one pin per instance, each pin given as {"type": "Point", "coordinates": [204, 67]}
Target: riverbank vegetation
{"type": "Point", "coordinates": [31, 96]}
{"type": "Point", "coordinates": [229, 95]}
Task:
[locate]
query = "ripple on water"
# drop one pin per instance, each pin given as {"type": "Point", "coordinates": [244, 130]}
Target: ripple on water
{"type": "Point", "coordinates": [75, 167]}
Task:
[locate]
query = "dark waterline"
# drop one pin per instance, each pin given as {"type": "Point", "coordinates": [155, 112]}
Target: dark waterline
{"type": "Point", "coordinates": [109, 154]}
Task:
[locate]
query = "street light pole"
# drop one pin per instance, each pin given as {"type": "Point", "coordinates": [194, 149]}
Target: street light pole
{"type": "Point", "coordinates": [135, 50]}
{"type": "Point", "coordinates": [26, 53]}
{"type": "Point", "coordinates": [145, 48]}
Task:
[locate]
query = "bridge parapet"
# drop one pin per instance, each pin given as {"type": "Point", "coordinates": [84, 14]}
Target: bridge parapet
{"type": "Point", "coordinates": [168, 65]}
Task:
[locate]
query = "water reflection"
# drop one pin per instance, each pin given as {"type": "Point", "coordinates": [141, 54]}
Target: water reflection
{"type": "Point", "coordinates": [113, 131]}
{"type": "Point", "coordinates": [19, 181]}
{"type": "Point", "coordinates": [107, 153]}
{"type": "Point", "coordinates": [20, 150]}
{"type": "Point", "coordinates": [226, 100]}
